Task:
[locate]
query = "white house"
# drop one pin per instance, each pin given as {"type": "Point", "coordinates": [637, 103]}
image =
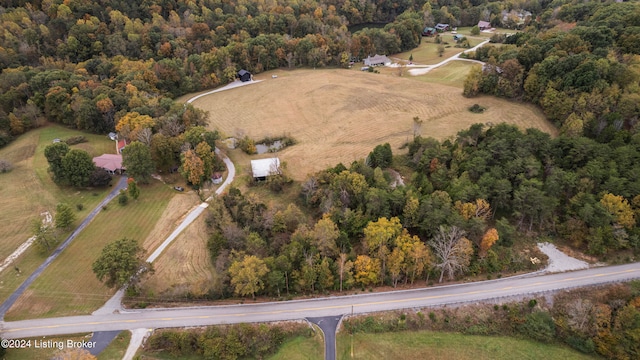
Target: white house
{"type": "Point", "coordinates": [377, 60]}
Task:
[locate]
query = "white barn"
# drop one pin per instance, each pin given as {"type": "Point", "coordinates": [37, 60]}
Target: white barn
{"type": "Point", "coordinates": [262, 168]}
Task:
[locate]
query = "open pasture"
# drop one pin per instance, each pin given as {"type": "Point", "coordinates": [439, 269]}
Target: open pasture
{"type": "Point", "coordinates": [341, 115]}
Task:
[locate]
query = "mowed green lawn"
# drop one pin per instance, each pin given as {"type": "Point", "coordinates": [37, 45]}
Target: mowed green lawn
{"type": "Point", "coordinates": [453, 74]}
{"type": "Point", "coordinates": [449, 346]}
{"type": "Point", "coordinates": [427, 52]}
{"type": "Point", "coordinates": [69, 286]}
{"type": "Point", "coordinates": [27, 191]}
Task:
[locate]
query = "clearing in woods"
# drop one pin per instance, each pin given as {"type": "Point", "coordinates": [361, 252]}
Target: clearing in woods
{"type": "Point", "coordinates": [340, 115]}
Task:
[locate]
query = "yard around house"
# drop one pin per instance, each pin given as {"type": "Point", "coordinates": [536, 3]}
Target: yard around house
{"type": "Point", "coordinates": [69, 286]}
{"type": "Point", "coordinates": [28, 191]}
{"type": "Point", "coordinates": [339, 115]}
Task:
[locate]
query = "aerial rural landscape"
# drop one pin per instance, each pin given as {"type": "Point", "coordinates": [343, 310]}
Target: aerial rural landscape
{"type": "Point", "coordinates": [319, 179]}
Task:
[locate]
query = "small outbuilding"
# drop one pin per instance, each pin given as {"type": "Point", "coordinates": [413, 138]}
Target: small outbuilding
{"type": "Point", "coordinates": [110, 162]}
{"type": "Point", "coordinates": [429, 31]}
{"type": "Point", "coordinates": [216, 178]}
{"type": "Point", "coordinates": [244, 75]}
{"type": "Point", "coordinates": [377, 60]}
{"type": "Point", "coordinates": [442, 27]}
{"type": "Point", "coordinates": [261, 169]}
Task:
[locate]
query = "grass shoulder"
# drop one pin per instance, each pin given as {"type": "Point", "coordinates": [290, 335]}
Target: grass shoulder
{"type": "Point", "coordinates": [449, 346]}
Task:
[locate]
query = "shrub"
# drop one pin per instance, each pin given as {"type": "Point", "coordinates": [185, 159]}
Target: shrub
{"type": "Point", "coordinates": [5, 166]}
{"type": "Point", "coordinates": [123, 199]}
{"type": "Point", "coordinates": [432, 316]}
{"type": "Point", "coordinates": [539, 326]}
{"type": "Point", "coordinates": [75, 140]}
{"type": "Point", "coordinates": [247, 145]}
{"type": "Point", "coordinates": [79, 206]}
{"type": "Point", "coordinates": [477, 109]}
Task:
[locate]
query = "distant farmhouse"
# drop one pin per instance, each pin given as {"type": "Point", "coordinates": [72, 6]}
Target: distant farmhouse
{"type": "Point", "coordinates": [484, 25]}
{"type": "Point", "coordinates": [244, 75]}
{"type": "Point", "coordinates": [429, 31]}
{"type": "Point", "coordinates": [377, 60]}
{"type": "Point", "coordinates": [442, 27]}
{"type": "Point", "coordinates": [112, 163]}
{"type": "Point", "coordinates": [261, 169]}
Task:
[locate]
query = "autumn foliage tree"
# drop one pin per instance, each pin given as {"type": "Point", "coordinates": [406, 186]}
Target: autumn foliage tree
{"type": "Point", "coordinates": [488, 239]}
{"type": "Point", "coordinates": [192, 168]}
{"type": "Point", "coordinates": [247, 275]}
{"type": "Point", "coordinates": [367, 270]}
{"type": "Point", "coordinates": [620, 209]}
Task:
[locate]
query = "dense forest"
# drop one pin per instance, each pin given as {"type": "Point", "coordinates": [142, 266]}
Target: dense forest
{"type": "Point", "coordinates": [86, 64]}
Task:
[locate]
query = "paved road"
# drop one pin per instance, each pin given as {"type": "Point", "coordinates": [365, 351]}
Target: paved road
{"type": "Point", "coordinates": [332, 306]}
{"type": "Point", "coordinates": [121, 184]}
{"type": "Point", "coordinates": [329, 326]}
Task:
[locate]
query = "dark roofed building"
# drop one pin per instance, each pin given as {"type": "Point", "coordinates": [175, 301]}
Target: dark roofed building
{"type": "Point", "coordinates": [429, 31]}
{"type": "Point", "coordinates": [244, 75]}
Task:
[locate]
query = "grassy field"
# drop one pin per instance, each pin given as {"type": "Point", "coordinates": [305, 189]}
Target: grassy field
{"type": "Point", "coordinates": [301, 348]}
{"type": "Point", "coordinates": [68, 286]}
{"type": "Point", "coordinates": [449, 346]}
{"type": "Point", "coordinates": [427, 52]}
{"type": "Point", "coordinates": [28, 190]}
{"type": "Point", "coordinates": [184, 267]}
{"type": "Point", "coordinates": [452, 74]}
{"type": "Point", "coordinates": [341, 115]}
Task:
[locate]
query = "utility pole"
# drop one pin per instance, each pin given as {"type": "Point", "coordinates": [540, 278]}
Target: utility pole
{"type": "Point", "coordinates": [352, 333]}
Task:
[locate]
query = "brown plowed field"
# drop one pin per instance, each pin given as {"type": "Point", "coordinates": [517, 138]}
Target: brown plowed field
{"type": "Point", "coordinates": [341, 115]}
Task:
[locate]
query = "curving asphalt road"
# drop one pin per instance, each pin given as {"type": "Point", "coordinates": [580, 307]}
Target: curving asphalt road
{"type": "Point", "coordinates": [331, 306]}
{"type": "Point", "coordinates": [122, 184]}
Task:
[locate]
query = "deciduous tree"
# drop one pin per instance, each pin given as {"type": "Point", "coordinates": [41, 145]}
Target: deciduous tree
{"type": "Point", "coordinates": [620, 209]}
{"type": "Point", "coordinates": [490, 237]}
{"type": "Point", "coordinates": [64, 216]}
{"type": "Point", "coordinates": [367, 270]}
{"type": "Point", "coordinates": [452, 250]}
{"type": "Point", "coordinates": [136, 158]}
{"type": "Point", "coordinates": [324, 235]}
{"type": "Point", "coordinates": [54, 154]}
{"type": "Point", "coordinates": [247, 275]}
{"type": "Point", "coordinates": [192, 168]}
{"type": "Point", "coordinates": [78, 166]}
{"type": "Point", "coordinates": [121, 262]}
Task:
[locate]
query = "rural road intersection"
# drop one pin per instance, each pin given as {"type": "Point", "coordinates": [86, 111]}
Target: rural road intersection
{"type": "Point", "coordinates": [498, 290]}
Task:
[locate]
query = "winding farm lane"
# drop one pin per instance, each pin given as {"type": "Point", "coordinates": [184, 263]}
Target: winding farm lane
{"type": "Point", "coordinates": [331, 306]}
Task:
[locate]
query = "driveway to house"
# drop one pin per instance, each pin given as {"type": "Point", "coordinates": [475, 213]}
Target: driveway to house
{"type": "Point", "coordinates": [499, 290]}
{"type": "Point", "coordinates": [122, 184]}
{"type": "Point", "coordinates": [423, 69]}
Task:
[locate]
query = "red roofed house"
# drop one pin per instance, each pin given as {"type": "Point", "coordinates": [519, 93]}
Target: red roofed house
{"type": "Point", "coordinates": [120, 144]}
